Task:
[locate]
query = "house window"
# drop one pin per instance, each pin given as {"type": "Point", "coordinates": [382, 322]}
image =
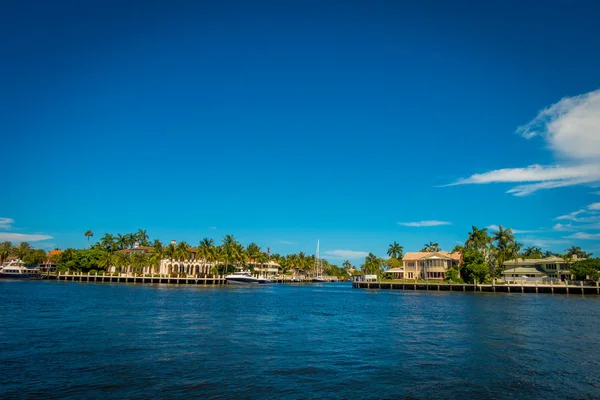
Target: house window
{"type": "Point", "coordinates": [551, 266]}
{"type": "Point", "coordinates": [410, 275]}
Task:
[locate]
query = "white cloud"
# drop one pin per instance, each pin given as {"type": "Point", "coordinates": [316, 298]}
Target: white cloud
{"type": "Point", "coordinates": [285, 242]}
{"type": "Point", "coordinates": [594, 206]}
{"type": "Point", "coordinates": [350, 254]}
{"type": "Point", "coordinates": [6, 223]}
{"type": "Point", "coordinates": [515, 231]}
{"type": "Point", "coordinates": [571, 216]}
{"type": "Point", "coordinates": [543, 242]}
{"type": "Point", "coordinates": [563, 227]}
{"type": "Point", "coordinates": [420, 224]}
{"type": "Point", "coordinates": [212, 228]}
{"type": "Point", "coordinates": [22, 237]}
{"type": "Point", "coordinates": [584, 235]}
{"type": "Point", "coordinates": [571, 130]}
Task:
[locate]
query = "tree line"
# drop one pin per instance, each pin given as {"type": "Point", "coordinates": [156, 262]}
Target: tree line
{"type": "Point", "coordinates": [483, 257]}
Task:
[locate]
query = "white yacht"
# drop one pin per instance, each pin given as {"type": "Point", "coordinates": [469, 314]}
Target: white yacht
{"type": "Point", "coordinates": [17, 270]}
{"type": "Point", "coordinates": [245, 278]}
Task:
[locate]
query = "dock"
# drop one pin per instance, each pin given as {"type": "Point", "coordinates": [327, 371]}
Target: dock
{"type": "Point", "coordinates": [488, 288]}
{"type": "Point", "coordinates": [156, 279]}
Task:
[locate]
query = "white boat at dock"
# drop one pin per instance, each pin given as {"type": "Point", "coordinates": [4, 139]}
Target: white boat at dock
{"type": "Point", "coordinates": [246, 278]}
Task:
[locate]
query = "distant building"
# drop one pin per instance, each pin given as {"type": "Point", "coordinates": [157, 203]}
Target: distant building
{"type": "Point", "coordinates": [50, 263]}
{"type": "Point", "coordinates": [555, 268]}
{"type": "Point", "coordinates": [426, 265]}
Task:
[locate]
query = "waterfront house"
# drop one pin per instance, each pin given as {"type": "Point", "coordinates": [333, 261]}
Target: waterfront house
{"type": "Point", "coordinates": [426, 265]}
{"type": "Point", "coordinates": [555, 268]}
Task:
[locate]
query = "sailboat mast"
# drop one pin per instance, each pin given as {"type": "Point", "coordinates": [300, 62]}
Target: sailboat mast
{"type": "Point", "coordinates": [317, 262]}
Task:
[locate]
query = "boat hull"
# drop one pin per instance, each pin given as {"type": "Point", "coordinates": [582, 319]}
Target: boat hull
{"type": "Point", "coordinates": [15, 276]}
{"type": "Point", "coordinates": [243, 281]}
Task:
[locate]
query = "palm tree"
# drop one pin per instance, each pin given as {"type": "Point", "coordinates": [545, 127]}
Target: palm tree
{"type": "Point", "coordinates": [503, 238]}
{"type": "Point", "coordinates": [254, 253]}
{"type": "Point", "coordinates": [547, 254]}
{"type": "Point", "coordinates": [395, 250]}
{"type": "Point", "coordinates": [170, 252]}
{"type": "Point", "coordinates": [206, 250]}
{"type": "Point", "coordinates": [576, 251]}
{"type": "Point", "coordinates": [107, 260]}
{"type": "Point", "coordinates": [129, 239]}
{"type": "Point", "coordinates": [22, 250]}
{"type": "Point", "coordinates": [182, 253]}
{"type": "Point", "coordinates": [138, 262]}
{"type": "Point", "coordinates": [531, 251]}
{"type": "Point", "coordinates": [228, 247]}
{"type": "Point", "coordinates": [88, 234]}
{"type": "Point", "coordinates": [121, 241]}
{"type": "Point", "coordinates": [122, 262]}
{"type": "Point", "coordinates": [5, 251]}
{"type": "Point", "coordinates": [107, 242]}
{"type": "Point", "coordinates": [478, 238]}
{"type": "Point", "coordinates": [458, 249]}
{"type": "Point", "coordinates": [142, 237]}
{"type": "Point", "coordinates": [431, 247]}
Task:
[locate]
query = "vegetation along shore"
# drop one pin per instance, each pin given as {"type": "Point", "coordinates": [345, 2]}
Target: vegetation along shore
{"type": "Point", "coordinates": [484, 256]}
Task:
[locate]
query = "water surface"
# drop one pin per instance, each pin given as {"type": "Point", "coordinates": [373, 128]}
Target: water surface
{"type": "Point", "coordinates": [101, 340]}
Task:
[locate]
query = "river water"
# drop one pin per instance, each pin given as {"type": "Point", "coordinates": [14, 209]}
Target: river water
{"type": "Point", "coordinates": [94, 340]}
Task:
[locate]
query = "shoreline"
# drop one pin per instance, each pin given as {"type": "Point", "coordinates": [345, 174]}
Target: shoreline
{"type": "Point", "coordinates": [482, 288]}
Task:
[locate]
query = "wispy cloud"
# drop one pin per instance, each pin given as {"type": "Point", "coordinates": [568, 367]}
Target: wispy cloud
{"type": "Point", "coordinates": [571, 130]}
{"type": "Point", "coordinates": [420, 224]}
{"type": "Point", "coordinates": [584, 235]}
{"type": "Point", "coordinates": [516, 231]}
{"type": "Point", "coordinates": [22, 237]}
{"type": "Point", "coordinates": [212, 228]}
{"type": "Point", "coordinates": [544, 242]}
{"type": "Point", "coordinates": [6, 223]}
{"type": "Point", "coordinates": [563, 227]}
{"type": "Point", "coordinates": [571, 216]}
{"type": "Point", "coordinates": [349, 254]}
{"type": "Point", "coordinates": [285, 242]}
{"type": "Point", "coordinates": [588, 214]}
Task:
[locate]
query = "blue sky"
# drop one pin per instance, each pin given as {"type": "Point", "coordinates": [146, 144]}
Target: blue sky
{"type": "Point", "coordinates": [284, 122]}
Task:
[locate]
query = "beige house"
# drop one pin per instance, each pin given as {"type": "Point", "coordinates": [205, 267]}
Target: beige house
{"type": "Point", "coordinates": [554, 268]}
{"type": "Point", "coordinates": [426, 265]}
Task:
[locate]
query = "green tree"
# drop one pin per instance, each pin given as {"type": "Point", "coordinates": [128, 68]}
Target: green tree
{"type": "Point", "coordinates": [35, 257]}
{"type": "Point", "coordinates": [5, 251]}
{"type": "Point", "coordinates": [107, 260]}
{"type": "Point", "coordinates": [532, 252]}
{"type": "Point", "coordinates": [142, 237]}
{"type": "Point", "coordinates": [207, 251]}
{"type": "Point", "coordinates": [458, 249]}
{"type": "Point", "coordinates": [107, 242]}
{"type": "Point", "coordinates": [182, 253]}
{"type": "Point", "coordinates": [22, 250]}
{"type": "Point", "coordinates": [395, 250]}
{"type": "Point", "coordinates": [503, 238]}
{"type": "Point", "coordinates": [431, 247]}
{"type": "Point", "coordinates": [373, 265]}
{"type": "Point", "coordinates": [478, 238]}
{"type": "Point", "coordinates": [584, 269]}
{"type": "Point", "coordinates": [88, 234]}
{"type": "Point", "coordinates": [474, 267]}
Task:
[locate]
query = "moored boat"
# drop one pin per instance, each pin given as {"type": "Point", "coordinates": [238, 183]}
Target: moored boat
{"type": "Point", "coordinates": [245, 278]}
{"type": "Point", "coordinates": [17, 270]}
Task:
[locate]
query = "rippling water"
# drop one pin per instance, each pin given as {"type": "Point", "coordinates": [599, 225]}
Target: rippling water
{"type": "Point", "coordinates": [74, 340]}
